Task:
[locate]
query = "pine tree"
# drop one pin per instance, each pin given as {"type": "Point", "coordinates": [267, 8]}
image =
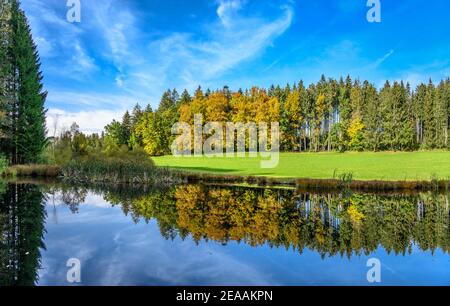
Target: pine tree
{"type": "Point", "coordinates": [405, 138]}
{"type": "Point", "coordinates": [28, 113]}
{"type": "Point", "coordinates": [418, 100]}
{"type": "Point", "coordinates": [441, 116]}
{"type": "Point", "coordinates": [429, 138]}
{"type": "Point", "coordinates": [166, 102]}
{"type": "Point", "coordinates": [291, 121]}
{"type": "Point", "coordinates": [371, 117]}
{"type": "Point", "coordinates": [6, 80]}
{"type": "Point", "coordinates": [185, 98]}
{"type": "Point", "coordinates": [136, 115]}
{"type": "Point", "coordinates": [126, 127]}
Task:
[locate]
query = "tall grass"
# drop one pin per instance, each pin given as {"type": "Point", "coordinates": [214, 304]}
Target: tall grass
{"type": "Point", "coordinates": [31, 171]}
{"type": "Point", "coordinates": [107, 169]}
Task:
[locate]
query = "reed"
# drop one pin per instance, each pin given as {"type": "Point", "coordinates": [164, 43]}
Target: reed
{"type": "Point", "coordinates": [32, 171]}
{"type": "Point", "coordinates": [118, 170]}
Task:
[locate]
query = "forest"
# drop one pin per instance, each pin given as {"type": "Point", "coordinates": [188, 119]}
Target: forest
{"type": "Point", "coordinates": [330, 115]}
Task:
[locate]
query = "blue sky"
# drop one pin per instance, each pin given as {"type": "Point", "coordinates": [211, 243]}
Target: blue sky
{"type": "Point", "coordinates": [128, 51]}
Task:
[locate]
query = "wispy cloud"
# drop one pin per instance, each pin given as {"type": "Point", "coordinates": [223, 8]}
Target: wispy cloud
{"type": "Point", "coordinates": [108, 45]}
{"type": "Point", "coordinates": [382, 59]}
{"type": "Point", "coordinates": [230, 42]}
{"type": "Point", "coordinates": [227, 10]}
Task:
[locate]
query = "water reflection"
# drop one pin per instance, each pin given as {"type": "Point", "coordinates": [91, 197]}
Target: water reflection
{"type": "Point", "coordinates": [343, 224]}
{"type": "Point", "coordinates": [327, 223]}
{"type": "Point", "coordinates": [22, 216]}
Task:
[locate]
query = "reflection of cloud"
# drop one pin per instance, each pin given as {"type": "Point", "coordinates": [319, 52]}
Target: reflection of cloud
{"type": "Point", "coordinates": [201, 264]}
{"type": "Point", "coordinates": [114, 251]}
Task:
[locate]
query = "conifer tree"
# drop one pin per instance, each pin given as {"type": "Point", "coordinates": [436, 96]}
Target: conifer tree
{"type": "Point", "coordinates": [28, 113]}
{"type": "Point", "coordinates": [429, 120]}
{"type": "Point", "coordinates": [6, 93]}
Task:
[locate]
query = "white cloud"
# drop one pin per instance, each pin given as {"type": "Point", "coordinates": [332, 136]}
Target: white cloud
{"type": "Point", "coordinates": [89, 121]}
{"type": "Point", "coordinates": [229, 43]}
{"type": "Point", "coordinates": [81, 62]}
{"type": "Point", "coordinates": [227, 10]}
{"type": "Point", "coordinates": [45, 47]}
{"type": "Point", "coordinates": [96, 110]}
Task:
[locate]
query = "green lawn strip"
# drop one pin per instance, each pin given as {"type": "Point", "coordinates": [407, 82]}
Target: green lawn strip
{"type": "Point", "coordinates": [423, 165]}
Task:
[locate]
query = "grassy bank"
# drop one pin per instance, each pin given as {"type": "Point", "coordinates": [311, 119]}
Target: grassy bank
{"type": "Point", "coordinates": [365, 166]}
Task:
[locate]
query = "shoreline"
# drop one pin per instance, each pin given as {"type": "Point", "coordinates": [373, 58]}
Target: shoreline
{"type": "Point", "coordinates": [55, 172]}
{"type": "Point", "coordinates": [320, 184]}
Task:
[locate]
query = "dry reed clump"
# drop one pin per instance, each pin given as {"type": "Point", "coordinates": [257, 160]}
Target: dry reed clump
{"type": "Point", "coordinates": [32, 171]}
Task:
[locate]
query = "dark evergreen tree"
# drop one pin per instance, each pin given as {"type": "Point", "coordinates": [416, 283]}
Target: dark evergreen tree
{"type": "Point", "coordinates": [442, 116]}
{"type": "Point", "coordinates": [429, 137]}
{"type": "Point", "coordinates": [6, 79]}
{"type": "Point", "coordinates": [127, 126]}
{"type": "Point", "coordinates": [371, 117]}
{"type": "Point", "coordinates": [185, 98]}
{"type": "Point", "coordinates": [28, 112]}
{"type": "Point", "coordinates": [136, 115]}
{"type": "Point", "coordinates": [167, 102]}
{"type": "Point", "coordinates": [418, 100]}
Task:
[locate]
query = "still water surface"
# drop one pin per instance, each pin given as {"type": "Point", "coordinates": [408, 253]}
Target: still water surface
{"type": "Point", "coordinates": [217, 235]}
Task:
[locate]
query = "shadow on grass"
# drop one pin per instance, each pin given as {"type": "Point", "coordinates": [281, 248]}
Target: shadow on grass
{"type": "Point", "coordinates": [201, 169]}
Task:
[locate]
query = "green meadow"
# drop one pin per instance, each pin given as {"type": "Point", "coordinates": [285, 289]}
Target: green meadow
{"type": "Point", "coordinates": [422, 165]}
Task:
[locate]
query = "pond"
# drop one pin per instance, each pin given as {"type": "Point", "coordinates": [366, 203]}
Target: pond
{"type": "Point", "coordinates": [205, 234]}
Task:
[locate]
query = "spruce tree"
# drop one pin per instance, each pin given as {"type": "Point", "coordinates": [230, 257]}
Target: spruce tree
{"type": "Point", "coordinates": [28, 114]}
{"type": "Point", "coordinates": [185, 98]}
{"type": "Point", "coordinates": [429, 137]}
{"type": "Point", "coordinates": [418, 111]}
{"type": "Point", "coordinates": [441, 115]}
{"type": "Point", "coordinates": [6, 93]}
{"type": "Point", "coordinates": [371, 117]}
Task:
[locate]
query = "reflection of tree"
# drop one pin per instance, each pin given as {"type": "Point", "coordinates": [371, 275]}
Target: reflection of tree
{"type": "Point", "coordinates": [73, 197]}
{"type": "Point", "coordinates": [329, 224]}
{"type": "Point", "coordinates": [22, 217]}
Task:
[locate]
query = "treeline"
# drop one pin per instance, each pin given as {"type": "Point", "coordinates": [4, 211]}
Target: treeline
{"type": "Point", "coordinates": [22, 113]}
{"type": "Point", "coordinates": [331, 115]}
